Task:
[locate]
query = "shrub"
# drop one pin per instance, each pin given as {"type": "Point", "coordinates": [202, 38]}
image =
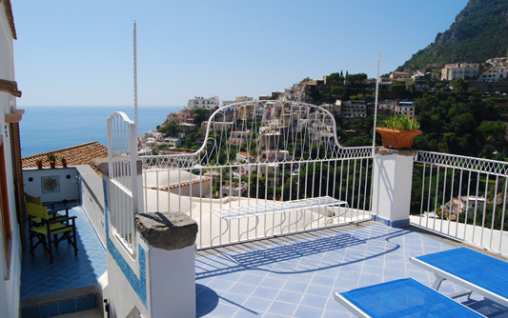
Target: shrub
{"type": "Point", "coordinates": [400, 122]}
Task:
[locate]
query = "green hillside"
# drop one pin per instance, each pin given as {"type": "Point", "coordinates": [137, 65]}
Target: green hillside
{"type": "Point", "coordinates": [480, 32]}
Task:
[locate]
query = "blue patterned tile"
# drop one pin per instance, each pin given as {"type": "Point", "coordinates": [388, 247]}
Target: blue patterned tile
{"type": "Point", "coordinates": [50, 310]}
{"type": "Point", "coordinates": [233, 299]}
{"type": "Point", "coordinates": [263, 292]}
{"type": "Point", "coordinates": [305, 312]}
{"type": "Point", "coordinates": [33, 312]}
{"type": "Point", "coordinates": [257, 304]}
{"type": "Point", "coordinates": [241, 288]}
{"type": "Point", "coordinates": [223, 312]}
{"type": "Point", "coordinates": [86, 303]}
{"type": "Point", "coordinates": [36, 271]}
{"type": "Point", "coordinates": [67, 307]}
{"type": "Point", "coordinates": [283, 309]}
{"type": "Point", "coordinates": [289, 296]}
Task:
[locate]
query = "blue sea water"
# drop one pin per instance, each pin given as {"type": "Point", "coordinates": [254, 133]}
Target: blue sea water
{"type": "Point", "coordinates": [46, 128]}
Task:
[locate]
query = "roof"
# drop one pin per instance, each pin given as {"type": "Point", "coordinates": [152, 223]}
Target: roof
{"type": "Point", "coordinates": [246, 155]}
{"type": "Point", "coordinates": [76, 155]}
{"type": "Point", "coordinates": [10, 18]}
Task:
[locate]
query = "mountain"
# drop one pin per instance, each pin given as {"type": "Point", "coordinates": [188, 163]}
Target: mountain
{"type": "Point", "coordinates": [480, 32]}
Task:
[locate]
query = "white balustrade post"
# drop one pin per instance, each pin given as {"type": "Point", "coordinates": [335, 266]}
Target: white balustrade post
{"type": "Point", "coordinates": [170, 266]}
{"type": "Point", "coordinates": [393, 176]}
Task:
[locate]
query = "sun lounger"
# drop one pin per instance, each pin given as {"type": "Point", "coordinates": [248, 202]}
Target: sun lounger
{"type": "Point", "coordinates": [477, 272]}
{"type": "Point", "coordinates": [401, 298]}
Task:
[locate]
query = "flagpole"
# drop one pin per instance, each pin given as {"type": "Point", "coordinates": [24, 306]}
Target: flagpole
{"type": "Point", "coordinates": [375, 106]}
{"type": "Point", "coordinates": [135, 83]}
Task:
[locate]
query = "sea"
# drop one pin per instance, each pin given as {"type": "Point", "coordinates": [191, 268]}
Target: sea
{"type": "Point", "coordinates": [48, 128]}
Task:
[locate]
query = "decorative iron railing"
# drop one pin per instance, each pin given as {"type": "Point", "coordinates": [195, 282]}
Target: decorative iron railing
{"type": "Point", "coordinates": [123, 189]}
{"type": "Point", "coordinates": [462, 197]}
{"type": "Point", "coordinates": [254, 154]}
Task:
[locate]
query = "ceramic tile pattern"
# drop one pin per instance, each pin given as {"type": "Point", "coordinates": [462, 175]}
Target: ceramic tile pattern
{"type": "Point", "coordinates": [38, 276]}
{"type": "Point", "coordinates": [299, 279]}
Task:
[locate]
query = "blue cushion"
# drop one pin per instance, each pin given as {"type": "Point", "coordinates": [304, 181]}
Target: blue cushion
{"type": "Point", "coordinates": [477, 268]}
{"type": "Point", "coordinates": [405, 298]}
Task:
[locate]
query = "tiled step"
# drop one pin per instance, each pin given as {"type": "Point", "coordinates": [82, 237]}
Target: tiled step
{"type": "Point", "coordinates": [59, 303]}
{"type": "Point", "coordinates": [91, 313]}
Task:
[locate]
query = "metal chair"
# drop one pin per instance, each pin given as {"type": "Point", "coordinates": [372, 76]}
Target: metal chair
{"type": "Point", "coordinates": [50, 227]}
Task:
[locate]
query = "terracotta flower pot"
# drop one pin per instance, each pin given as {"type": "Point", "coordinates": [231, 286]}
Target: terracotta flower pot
{"type": "Point", "coordinates": [39, 166]}
{"type": "Point", "coordinates": [52, 165]}
{"type": "Point", "coordinates": [64, 164]}
{"type": "Point", "coordinates": [397, 139]}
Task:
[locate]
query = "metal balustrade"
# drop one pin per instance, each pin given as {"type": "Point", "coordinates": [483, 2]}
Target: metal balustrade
{"type": "Point", "coordinates": [462, 197]}
{"type": "Point", "coordinates": [259, 153]}
{"type": "Point", "coordinates": [123, 185]}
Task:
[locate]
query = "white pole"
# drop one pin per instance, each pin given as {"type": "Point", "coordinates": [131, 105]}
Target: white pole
{"type": "Point", "coordinates": [375, 106]}
{"type": "Point", "coordinates": [135, 84]}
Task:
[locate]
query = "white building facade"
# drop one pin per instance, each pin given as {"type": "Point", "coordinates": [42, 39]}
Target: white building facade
{"type": "Point", "coordinates": [203, 103]}
{"type": "Point", "coordinates": [10, 239]}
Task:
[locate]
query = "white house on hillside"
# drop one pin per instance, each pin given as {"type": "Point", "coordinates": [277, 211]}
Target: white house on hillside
{"type": "Point", "coordinates": [203, 103]}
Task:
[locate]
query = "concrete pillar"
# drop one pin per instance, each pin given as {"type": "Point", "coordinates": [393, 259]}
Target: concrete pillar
{"type": "Point", "coordinates": [393, 177]}
{"type": "Point", "coordinates": [170, 239]}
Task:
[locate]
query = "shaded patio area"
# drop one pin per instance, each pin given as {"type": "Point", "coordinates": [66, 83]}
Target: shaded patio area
{"type": "Point", "coordinates": [296, 276]}
{"type": "Point", "coordinates": [38, 276]}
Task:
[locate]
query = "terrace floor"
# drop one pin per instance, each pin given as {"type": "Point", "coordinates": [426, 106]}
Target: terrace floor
{"type": "Point", "coordinates": [297, 275]}
{"type": "Point", "coordinates": [38, 276]}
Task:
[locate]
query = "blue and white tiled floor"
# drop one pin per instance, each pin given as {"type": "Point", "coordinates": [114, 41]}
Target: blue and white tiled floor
{"type": "Point", "coordinates": [38, 276]}
{"type": "Point", "coordinates": [299, 278]}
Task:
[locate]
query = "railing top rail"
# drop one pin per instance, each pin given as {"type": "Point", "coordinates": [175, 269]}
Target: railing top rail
{"type": "Point", "coordinates": [122, 115]}
{"type": "Point", "coordinates": [463, 162]}
{"type": "Point", "coordinates": [269, 131]}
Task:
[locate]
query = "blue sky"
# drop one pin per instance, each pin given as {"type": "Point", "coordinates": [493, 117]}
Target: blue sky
{"type": "Point", "coordinates": [79, 53]}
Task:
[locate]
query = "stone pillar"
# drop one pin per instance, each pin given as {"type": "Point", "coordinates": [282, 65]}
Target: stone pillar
{"type": "Point", "coordinates": [393, 176]}
{"type": "Point", "coordinates": [170, 239]}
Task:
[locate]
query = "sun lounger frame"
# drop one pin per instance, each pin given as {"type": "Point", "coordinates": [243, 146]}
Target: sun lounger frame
{"type": "Point", "coordinates": [442, 275]}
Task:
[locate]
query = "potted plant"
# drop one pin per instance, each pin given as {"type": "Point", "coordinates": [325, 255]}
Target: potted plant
{"type": "Point", "coordinates": [398, 131]}
{"type": "Point", "coordinates": [39, 163]}
{"type": "Point", "coordinates": [51, 158]}
{"type": "Point", "coordinates": [64, 163]}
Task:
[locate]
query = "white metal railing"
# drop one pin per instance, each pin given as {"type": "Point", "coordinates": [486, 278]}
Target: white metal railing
{"type": "Point", "coordinates": [462, 197]}
{"type": "Point", "coordinates": [263, 152]}
{"type": "Point", "coordinates": [123, 190]}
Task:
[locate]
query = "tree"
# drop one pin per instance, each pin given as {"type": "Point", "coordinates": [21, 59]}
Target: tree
{"type": "Point", "coordinates": [492, 131]}
{"type": "Point", "coordinates": [199, 118]}
{"type": "Point", "coordinates": [460, 85]}
{"type": "Point", "coordinates": [337, 90]}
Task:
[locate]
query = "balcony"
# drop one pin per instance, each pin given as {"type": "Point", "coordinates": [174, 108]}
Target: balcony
{"type": "Point", "coordinates": [270, 259]}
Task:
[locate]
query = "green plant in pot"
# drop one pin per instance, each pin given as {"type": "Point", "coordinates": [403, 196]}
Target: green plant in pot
{"type": "Point", "coordinates": [51, 158]}
{"type": "Point", "coordinates": [38, 162]}
{"type": "Point", "coordinates": [398, 131]}
{"type": "Point", "coordinates": [64, 162]}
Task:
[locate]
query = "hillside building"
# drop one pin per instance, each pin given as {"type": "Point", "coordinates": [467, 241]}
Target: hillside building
{"type": "Point", "coordinates": [203, 103]}
{"type": "Point", "coordinates": [460, 70]}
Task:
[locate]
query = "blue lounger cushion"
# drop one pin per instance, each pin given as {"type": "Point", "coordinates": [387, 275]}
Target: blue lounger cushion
{"type": "Point", "coordinates": [482, 270]}
{"type": "Point", "coordinates": [405, 298]}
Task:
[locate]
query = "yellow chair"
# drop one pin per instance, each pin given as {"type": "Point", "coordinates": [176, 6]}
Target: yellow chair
{"type": "Point", "coordinates": [36, 221]}
{"type": "Point", "coordinates": [50, 227]}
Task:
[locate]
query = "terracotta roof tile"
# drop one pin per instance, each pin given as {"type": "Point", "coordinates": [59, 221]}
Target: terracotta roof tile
{"type": "Point", "coordinates": [76, 155]}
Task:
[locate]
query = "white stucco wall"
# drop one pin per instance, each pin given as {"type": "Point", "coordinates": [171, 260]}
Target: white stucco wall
{"type": "Point", "coordinates": [9, 282]}
{"type": "Point", "coordinates": [392, 186]}
{"type": "Point", "coordinates": [69, 189]}
{"type": "Point", "coordinates": [93, 203]}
